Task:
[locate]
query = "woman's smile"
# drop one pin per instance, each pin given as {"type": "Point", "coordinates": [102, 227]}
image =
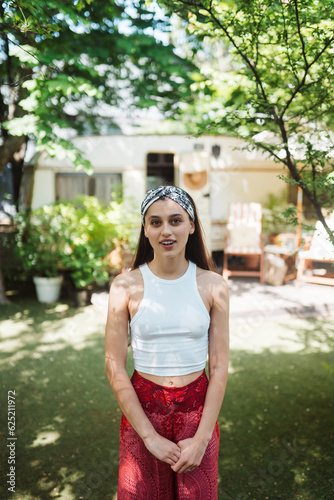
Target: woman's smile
{"type": "Point", "coordinates": [168, 243]}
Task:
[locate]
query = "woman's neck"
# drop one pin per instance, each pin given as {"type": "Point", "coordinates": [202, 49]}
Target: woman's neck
{"type": "Point", "coordinates": [169, 269]}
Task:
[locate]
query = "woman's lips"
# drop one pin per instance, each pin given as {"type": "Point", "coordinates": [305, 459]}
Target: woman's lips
{"type": "Point", "coordinates": [167, 243]}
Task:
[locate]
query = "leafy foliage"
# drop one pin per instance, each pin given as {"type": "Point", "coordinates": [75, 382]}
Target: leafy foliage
{"type": "Point", "coordinates": [276, 89]}
{"type": "Point", "coordinates": [66, 64]}
{"type": "Point", "coordinates": [38, 242]}
{"type": "Point", "coordinates": [72, 236]}
{"type": "Point", "coordinates": [273, 219]}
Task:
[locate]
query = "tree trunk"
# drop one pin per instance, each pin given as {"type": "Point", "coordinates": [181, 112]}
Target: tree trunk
{"type": "Point", "coordinates": [17, 171]}
{"type": "Point", "coordinates": [11, 145]}
{"type": "Point", "coordinates": [3, 296]}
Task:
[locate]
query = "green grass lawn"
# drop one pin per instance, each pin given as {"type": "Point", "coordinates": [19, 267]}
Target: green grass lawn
{"type": "Point", "coordinates": [276, 422]}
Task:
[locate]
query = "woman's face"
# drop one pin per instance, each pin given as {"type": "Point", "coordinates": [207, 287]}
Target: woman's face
{"type": "Point", "coordinates": [167, 226]}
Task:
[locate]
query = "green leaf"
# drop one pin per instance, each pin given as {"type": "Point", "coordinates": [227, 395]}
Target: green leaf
{"type": "Point", "coordinates": [25, 53]}
{"type": "Point", "coordinates": [28, 124]}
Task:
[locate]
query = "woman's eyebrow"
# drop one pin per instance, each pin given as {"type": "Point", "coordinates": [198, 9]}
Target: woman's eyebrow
{"type": "Point", "coordinates": [159, 217]}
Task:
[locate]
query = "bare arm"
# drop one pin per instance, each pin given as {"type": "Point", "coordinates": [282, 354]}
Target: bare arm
{"type": "Point", "coordinates": [116, 349]}
{"type": "Point", "coordinates": [193, 449]}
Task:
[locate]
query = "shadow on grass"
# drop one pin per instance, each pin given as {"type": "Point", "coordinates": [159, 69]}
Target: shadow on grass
{"type": "Point", "coordinates": [276, 421]}
{"type": "Point", "coordinates": [66, 417]}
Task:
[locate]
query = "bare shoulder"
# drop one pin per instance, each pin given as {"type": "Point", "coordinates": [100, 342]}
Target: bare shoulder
{"type": "Point", "coordinates": [127, 280]}
{"type": "Point", "coordinates": [127, 290]}
{"type": "Point", "coordinates": [213, 289]}
{"type": "Point", "coordinates": [211, 279]}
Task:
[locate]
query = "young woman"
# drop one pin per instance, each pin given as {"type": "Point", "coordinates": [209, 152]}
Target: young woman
{"type": "Point", "coordinates": [177, 310]}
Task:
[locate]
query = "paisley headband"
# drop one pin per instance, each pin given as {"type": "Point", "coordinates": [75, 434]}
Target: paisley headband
{"type": "Point", "coordinates": [172, 192]}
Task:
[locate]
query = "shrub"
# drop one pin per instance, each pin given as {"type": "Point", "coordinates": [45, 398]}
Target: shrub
{"type": "Point", "coordinates": [73, 236]}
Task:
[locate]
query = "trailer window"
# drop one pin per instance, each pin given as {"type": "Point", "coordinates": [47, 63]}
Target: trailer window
{"type": "Point", "coordinates": [68, 186]}
{"type": "Point", "coordinates": [160, 169]}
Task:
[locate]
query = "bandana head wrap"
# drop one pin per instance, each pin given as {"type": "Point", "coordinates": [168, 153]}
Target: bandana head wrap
{"type": "Point", "coordinates": [172, 192]}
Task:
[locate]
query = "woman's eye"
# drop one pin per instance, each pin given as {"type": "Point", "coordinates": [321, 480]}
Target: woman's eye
{"type": "Point", "coordinates": [174, 222]}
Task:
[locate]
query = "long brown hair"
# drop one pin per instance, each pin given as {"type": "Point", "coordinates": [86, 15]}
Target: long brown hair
{"type": "Point", "coordinates": [196, 250]}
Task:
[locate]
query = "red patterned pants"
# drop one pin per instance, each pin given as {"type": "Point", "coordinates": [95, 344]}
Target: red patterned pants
{"type": "Point", "coordinates": [175, 414]}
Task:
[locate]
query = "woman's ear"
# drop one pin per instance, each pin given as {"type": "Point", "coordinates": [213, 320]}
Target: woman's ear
{"type": "Point", "coordinates": [192, 228]}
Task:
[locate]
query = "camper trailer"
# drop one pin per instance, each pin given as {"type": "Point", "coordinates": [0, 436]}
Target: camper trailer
{"type": "Point", "coordinates": [215, 170]}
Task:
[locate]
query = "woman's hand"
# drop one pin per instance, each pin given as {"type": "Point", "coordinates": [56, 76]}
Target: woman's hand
{"type": "Point", "coordinates": [163, 449]}
{"type": "Point", "coordinates": [192, 452]}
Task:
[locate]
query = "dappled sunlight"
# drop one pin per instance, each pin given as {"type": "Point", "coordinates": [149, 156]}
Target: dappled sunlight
{"type": "Point", "coordinates": [11, 334]}
{"type": "Point", "coordinates": [9, 329]}
{"type": "Point", "coordinates": [68, 436]}
{"type": "Point", "coordinates": [275, 422]}
{"type": "Point", "coordinates": [45, 438]}
{"type": "Point", "coordinates": [70, 332]}
{"type": "Point", "coordinates": [300, 476]}
{"type": "Point", "coordinates": [28, 373]}
{"type": "Point", "coordinates": [45, 484]}
{"type": "Point", "coordinates": [10, 345]}
{"type": "Point", "coordinates": [63, 491]}
{"type": "Point", "coordinates": [14, 355]}
{"type": "Point", "coordinates": [276, 418]}
{"type": "Point", "coordinates": [26, 334]}
{"type": "Point", "coordinates": [225, 424]}
{"type": "Point", "coordinates": [287, 335]}
{"type": "Point", "coordinates": [58, 308]}
{"type": "Point", "coordinates": [20, 493]}
{"type": "Point", "coordinates": [58, 419]}
{"type": "Point", "coordinates": [254, 304]}
{"type": "Point", "coordinates": [50, 346]}
{"type": "Point", "coordinates": [315, 335]}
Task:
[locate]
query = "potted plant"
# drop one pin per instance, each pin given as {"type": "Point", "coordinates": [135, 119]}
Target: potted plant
{"type": "Point", "coordinates": [40, 250]}
{"type": "Point", "coordinates": [72, 238]}
{"type": "Point", "coordinates": [84, 272]}
{"type": "Point", "coordinates": [90, 236]}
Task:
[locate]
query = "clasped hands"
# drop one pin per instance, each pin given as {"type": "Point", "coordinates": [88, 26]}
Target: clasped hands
{"type": "Point", "coordinates": [184, 456]}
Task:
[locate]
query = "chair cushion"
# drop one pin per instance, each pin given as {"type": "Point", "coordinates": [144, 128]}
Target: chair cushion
{"type": "Point", "coordinates": [244, 236]}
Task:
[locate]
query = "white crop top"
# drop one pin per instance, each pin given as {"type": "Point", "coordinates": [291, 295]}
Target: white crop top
{"type": "Point", "coordinates": [169, 332]}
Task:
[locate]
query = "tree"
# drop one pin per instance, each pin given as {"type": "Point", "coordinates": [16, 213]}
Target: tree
{"type": "Point", "coordinates": [65, 64]}
{"type": "Point", "coordinates": [278, 91]}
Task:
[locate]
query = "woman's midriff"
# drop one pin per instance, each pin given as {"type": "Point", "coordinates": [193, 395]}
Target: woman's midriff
{"type": "Point", "coordinates": [176, 381]}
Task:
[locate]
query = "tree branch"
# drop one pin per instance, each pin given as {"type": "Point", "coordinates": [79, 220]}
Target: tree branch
{"type": "Point", "coordinates": [267, 148]}
{"type": "Point", "coordinates": [301, 84]}
{"type": "Point", "coordinates": [245, 58]}
{"type": "Point", "coordinates": [258, 80]}
{"type": "Point", "coordinates": [287, 45]}
{"type": "Point", "coordinates": [300, 33]}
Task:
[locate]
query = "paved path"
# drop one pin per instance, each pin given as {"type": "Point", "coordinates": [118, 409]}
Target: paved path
{"type": "Point", "coordinates": [267, 317]}
{"type": "Point", "coordinates": [248, 297]}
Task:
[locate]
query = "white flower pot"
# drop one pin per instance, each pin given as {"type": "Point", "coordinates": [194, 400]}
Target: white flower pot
{"type": "Point", "coordinates": [48, 289]}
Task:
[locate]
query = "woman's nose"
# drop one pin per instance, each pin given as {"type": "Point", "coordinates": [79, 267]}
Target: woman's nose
{"type": "Point", "coordinates": [166, 229]}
